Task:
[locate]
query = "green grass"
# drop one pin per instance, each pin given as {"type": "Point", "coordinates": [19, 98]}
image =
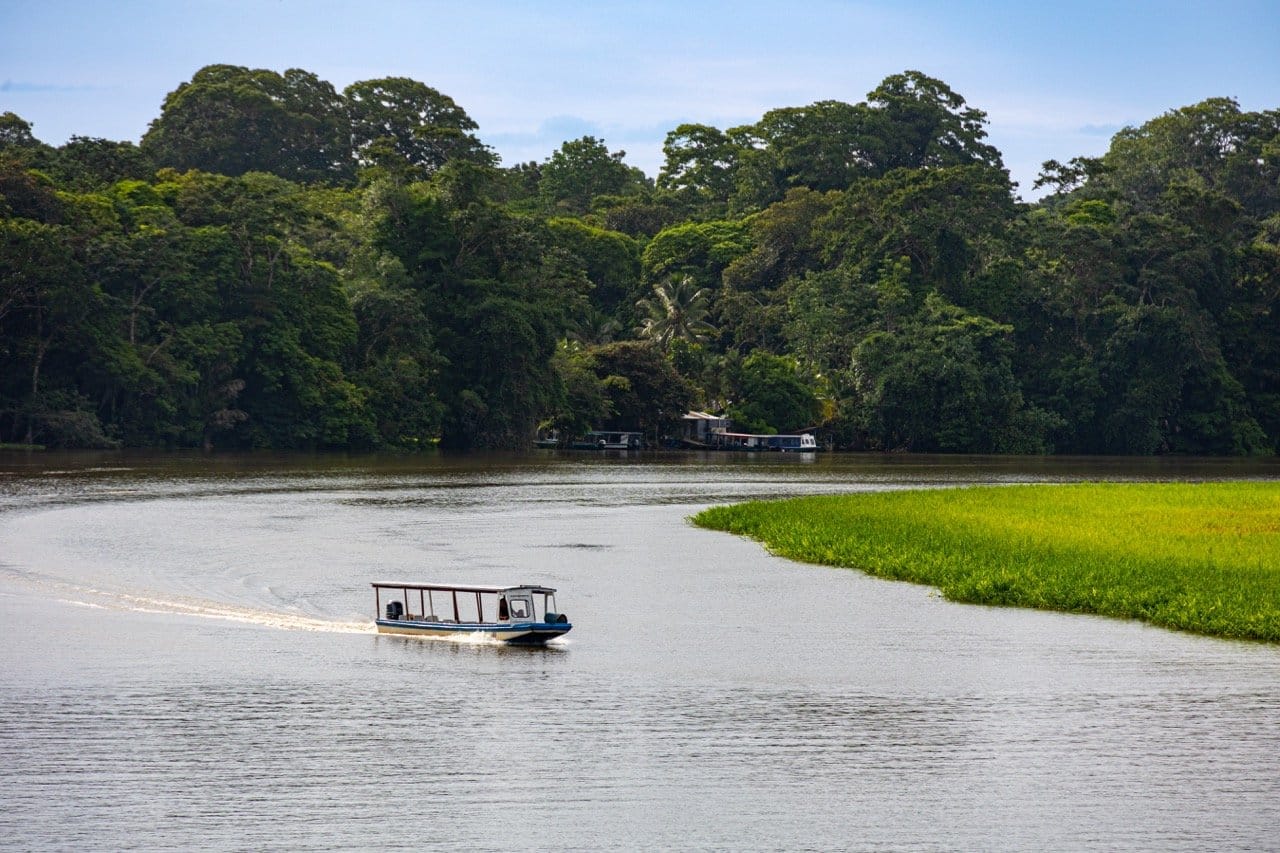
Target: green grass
{"type": "Point", "coordinates": [1202, 557]}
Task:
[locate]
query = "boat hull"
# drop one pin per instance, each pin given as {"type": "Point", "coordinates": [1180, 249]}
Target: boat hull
{"type": "Point", "coordinates": [516, 633]}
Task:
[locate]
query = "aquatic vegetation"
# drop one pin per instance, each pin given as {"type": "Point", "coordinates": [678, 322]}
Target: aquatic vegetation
{"type": "Point", "coordinates": [1202, 557]}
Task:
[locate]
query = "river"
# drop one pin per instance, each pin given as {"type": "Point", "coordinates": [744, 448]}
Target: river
{"type": "Point", "coordinates": [187, 660]}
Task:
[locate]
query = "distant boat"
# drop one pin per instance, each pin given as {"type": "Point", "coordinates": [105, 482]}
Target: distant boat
{"type": "Point", "coordinates": [520, 615]}
{"type": "Point", "coordinates": [551, 439]}
{"type": "Point", "coordinates": [802, 443]}
{"type": "Point", "coordinates": [609, 440]}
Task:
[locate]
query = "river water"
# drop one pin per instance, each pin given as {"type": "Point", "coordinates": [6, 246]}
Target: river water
{"type": "Point", "coordinates": [187, 660]}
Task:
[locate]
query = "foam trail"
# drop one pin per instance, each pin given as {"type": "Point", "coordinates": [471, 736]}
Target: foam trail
{"type": "Point", "coordinates": [233, 613]}
{"type": "Point", "coordinates": [475, 638]}
{"type": "Point", "coordinates": [105, 599]}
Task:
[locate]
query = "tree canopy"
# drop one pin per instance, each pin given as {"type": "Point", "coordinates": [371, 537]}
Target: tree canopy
{"type": "Point", "coordinates": [279, 264]}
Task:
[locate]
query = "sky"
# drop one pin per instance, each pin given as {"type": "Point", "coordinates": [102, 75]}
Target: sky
{"type": "Point", "coordinates": [1056, 80]}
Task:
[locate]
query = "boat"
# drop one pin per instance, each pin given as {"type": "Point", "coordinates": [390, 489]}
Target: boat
{"type": "Point", "coordinates": [548, 440]}
{"type": "Point", "coordinates": [609, 440]}
{"type": "Point", "coordinates": [800, 443]}
{"type": "Point", "coordinates": [524, 614]}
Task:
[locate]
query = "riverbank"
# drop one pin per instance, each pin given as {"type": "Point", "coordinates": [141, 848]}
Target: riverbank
{"type": "Point", "coordinates": [1200, 557]}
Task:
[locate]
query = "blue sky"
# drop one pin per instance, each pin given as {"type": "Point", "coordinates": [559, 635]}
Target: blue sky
{"type": "Point", "coordinates": [1056, 79]}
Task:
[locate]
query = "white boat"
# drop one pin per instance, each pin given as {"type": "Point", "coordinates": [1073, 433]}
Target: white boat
{"type": "Point", "coordinates": [800, 443]}
{"type": "Point", "coordinates": [524, 614]}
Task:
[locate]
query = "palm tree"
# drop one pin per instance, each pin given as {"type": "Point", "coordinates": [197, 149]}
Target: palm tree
{"type": "Point", "coordinates": [594, 328]}
{"type": "Point", "coordinates": [678, 313]}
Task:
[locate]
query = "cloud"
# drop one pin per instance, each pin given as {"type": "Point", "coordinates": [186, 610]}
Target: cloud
{"type": "Point", "coordinates": [568, 127]}
{"type": "Point", "coordinates": [553, 131]}
{"type": "Point", "coordinates": [1107, 130]}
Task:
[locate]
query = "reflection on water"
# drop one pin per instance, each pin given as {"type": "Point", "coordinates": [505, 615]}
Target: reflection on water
{"type": "Point", "coordinates": [186, 658]}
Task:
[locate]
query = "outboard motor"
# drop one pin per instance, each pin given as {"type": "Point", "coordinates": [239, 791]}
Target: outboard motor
{"type": "Point", "coordinates": [394, 610]}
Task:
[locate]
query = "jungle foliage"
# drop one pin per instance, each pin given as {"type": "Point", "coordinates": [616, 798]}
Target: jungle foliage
{"type": "Point", "coordinates": [279, 264]}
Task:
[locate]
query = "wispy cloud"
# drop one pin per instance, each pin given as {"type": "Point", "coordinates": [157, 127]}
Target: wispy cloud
{"type": "Point", "coordinates": [556, 130]}
{"type": "Point", "coordinates": [1100, 129]}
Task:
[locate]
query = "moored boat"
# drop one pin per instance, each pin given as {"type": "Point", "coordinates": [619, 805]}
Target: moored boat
{"type": "Point", "coordinates": [800, 443]}
{"type": "Point", "coordinates": [609, 440]}
{"type": "Point", "coordinates": [523, 614]}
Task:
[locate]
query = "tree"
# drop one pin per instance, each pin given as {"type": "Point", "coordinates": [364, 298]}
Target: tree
{"type": "Point", "coordinates": [644, 391]}
{"type": "Point", "coordinates": [52, 324]}
{"type": "Point", "coordinates": [396, 363]}
{"type": "Point", "coordinates": [940, 219]}
{"type": "Point", "coordinates": [944, 383]}
{"type": "Point", "coordinates": [1168, 389]}
{"type": "Point", "coordinates": [700, 250]}
{"type": "Point", "coordinates": [26, 193]}
{"type": "Point", "coordinates": [19, 147]}
{"type": "Point", "coordinates": [500, 300]}
{"type": "Point", "coordinates": [1212, 143]}
{"type": "Point", "coordinates": [585, 404]}
{"type": "Point", "coordinates": [771, 395]}
{"type": "Point", "coordinates": [88, 163]}
{"type": "Point", "coordinates": [917, 122]}
{"type": "Point", "coordinates": [294, 319]}
{"type": "Point", "coordinates": [231, 120]}
{"type": "Point", "coordinates": [400, 117]}
{"type": "Point", "coordinates": [879, 259]}
{"type": "Point", "coordinates": [581, 170]}
{"type": "Point", "coordinates": [678, 312]}
{"type": "Point", "coordinates": [15, 131]}
{"type": "Point", "coordinates": [1064, 178]}
{"type": "Point", "coordinates": [786, 243]}
{"type": "Point", "coordinates": [821, 146]}
{"type": "Point", "coordinates": [637, 216]}
{"type": "Point", "coordinates": [610, 260]}
{"type": "Point", "coordinates": [910, 121]}
{"type": "Point", "coordinates": [699, 166]}
{"type": "Point", "coordinates": [594, 328]}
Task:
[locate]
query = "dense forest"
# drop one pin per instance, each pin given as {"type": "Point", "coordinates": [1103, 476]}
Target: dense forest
{"type": "Point", "coordinates": [282, 265]}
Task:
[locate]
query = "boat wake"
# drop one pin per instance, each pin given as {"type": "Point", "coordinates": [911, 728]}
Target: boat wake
{"type": "Point", "coordinates": [235, 613]}
{"type": "Point", "coordinates": [102, 599]}
{"type": "Point", "coordinates": [476, 638]}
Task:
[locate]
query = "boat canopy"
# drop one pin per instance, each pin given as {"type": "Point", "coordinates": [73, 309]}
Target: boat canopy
{"type": "Point", "coordinates": [464, 587]}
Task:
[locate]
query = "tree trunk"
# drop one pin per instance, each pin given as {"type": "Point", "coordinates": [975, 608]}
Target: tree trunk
{"type": "Point", "coordinates": [42, 346]}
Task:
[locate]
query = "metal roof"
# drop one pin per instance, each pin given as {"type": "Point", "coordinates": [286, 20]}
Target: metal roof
{"type": "Point", "coordinates": [461, 587]}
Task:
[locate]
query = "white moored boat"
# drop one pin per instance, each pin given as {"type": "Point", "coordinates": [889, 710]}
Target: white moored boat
{"type": "Point", "coordinates": [523, 614]}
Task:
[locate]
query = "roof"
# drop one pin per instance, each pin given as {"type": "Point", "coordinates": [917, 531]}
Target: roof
{"type": "Point", "coordinates": [703, 416]}
{"type": "Point", "coordinates": [460, 587]}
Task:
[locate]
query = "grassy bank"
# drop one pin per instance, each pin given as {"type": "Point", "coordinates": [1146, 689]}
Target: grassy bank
{"type": "Point", "coordinates": [1197, 557]}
